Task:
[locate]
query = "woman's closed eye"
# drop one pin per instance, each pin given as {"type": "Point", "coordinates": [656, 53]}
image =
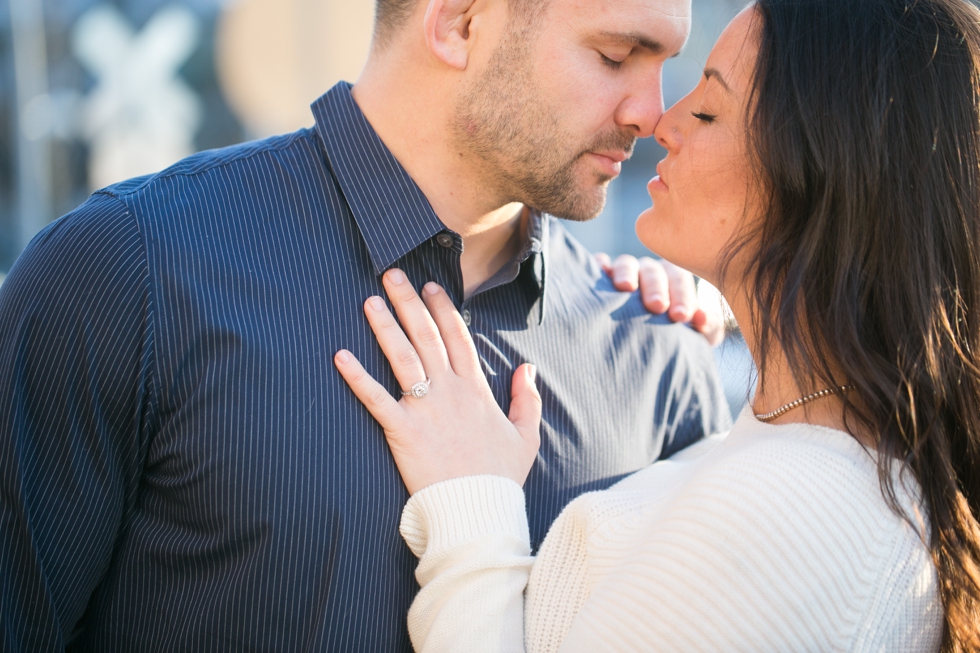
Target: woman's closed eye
{"type": "Point", "coordinates": [706, 118]}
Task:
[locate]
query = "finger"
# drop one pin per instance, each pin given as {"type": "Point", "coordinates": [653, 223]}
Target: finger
{"type": "Point", "coordinates": [605, 263]}
{"type": "Point", "coordinates": [699, 321]}
{"type": "Point", "coordinates": [405, 362]}
{"type": "Point", "coordinates": [525, 405]}
{"type": "Point", "coordinates": [654, 286]}
{"type": "Point", "coordinates": [417, 323]}
{"type": "Point", "coordinates": [626, 273]}
{"type": "Point", "coordinates": [382, 406]}
{"type": "Point", "coordinates": [683, 293]}
{"type": "Point", "coordinates": [710, 324]}
{"type": "Point", "coordinates": [459, 343]}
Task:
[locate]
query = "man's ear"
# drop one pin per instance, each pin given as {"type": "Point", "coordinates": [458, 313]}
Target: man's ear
{"type": "Point", "coordinates": [447, 31]}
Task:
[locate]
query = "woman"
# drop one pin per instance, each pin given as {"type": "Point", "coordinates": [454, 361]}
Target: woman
{"type": "Point", "coordinates": [825, 175]}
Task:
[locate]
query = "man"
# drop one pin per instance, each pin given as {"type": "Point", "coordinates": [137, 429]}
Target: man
{"type": "Point", "coordinates": [181, 468]}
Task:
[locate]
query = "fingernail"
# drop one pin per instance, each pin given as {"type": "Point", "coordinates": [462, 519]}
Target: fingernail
{"type": "Point", "coordinates": [343, 356]}
{"type": "Point", "coordinates": [377, 304]}
{"type": "Point", "coordinates": [396, 277]}
{"type": "Point", "coordinates": [680, 312]}
{"type": "Point", "coordinates": [532, 372]}
{"type": "Point", "coordinates": [431, 288]}
{"type": "Point", "coordinates": [656, 299]}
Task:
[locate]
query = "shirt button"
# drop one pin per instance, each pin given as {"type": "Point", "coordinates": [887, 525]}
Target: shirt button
{"type": "Point", "coordinates": [467, 317]}
{"type": "Point", "coordinates": [445, 240]}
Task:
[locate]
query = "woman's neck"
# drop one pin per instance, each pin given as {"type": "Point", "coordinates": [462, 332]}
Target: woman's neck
{"type": "Point", "coordinates": [779, 387]}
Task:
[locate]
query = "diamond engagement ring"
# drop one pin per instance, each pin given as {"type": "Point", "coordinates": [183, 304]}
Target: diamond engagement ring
{"type": "Point", "coordinates": [418, 390]}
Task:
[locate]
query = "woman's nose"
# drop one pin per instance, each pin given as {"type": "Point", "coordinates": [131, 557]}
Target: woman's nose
{"type": "Point", "coordinates": [667, 133]}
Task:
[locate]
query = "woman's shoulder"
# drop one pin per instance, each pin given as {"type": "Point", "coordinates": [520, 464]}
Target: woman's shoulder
{"type": "Point", "coordinates": [799, 475]}
{"type": "Point", "coordinates": [802, 471]}
{"type": "Point", "coordinates": [789, 523]}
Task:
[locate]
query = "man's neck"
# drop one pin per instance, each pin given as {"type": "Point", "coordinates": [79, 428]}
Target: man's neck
{"type": "Point", "coordinates": [487, 251]}
{"type": "Point", "coordinates": [415, 127]}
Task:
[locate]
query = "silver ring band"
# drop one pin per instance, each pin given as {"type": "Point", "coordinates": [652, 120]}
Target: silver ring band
{"type": "Point", "coordinates": [418, 390]}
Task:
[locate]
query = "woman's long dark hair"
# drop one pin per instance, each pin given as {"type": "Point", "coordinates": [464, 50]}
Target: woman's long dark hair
{"type": "Point", "coordinates": [864, 127]}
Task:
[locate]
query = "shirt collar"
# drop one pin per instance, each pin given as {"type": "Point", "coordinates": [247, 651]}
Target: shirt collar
{"type": "Point", "coordinates": [391, 211]}
{"type": "Point", "coordinates": [537, 245]}
{"type": "Point", "coordinates": [536, 255]}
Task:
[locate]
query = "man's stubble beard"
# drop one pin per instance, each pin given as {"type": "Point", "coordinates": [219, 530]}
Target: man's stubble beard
{"type": "Point", "coordinates": [517, 135]}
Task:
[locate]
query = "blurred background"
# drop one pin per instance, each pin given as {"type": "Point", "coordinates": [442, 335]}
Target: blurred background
{"type": "Point", "coordinates": [94, 92]}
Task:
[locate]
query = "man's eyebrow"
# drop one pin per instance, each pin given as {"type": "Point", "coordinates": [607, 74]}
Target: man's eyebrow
{"type": "Point", "coordinates": [635, 39]}
{"type": "Point", "coordinates": [714, 73]}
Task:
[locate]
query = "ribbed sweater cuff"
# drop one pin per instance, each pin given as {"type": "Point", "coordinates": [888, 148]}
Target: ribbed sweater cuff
{"type": "Point", "coordinates": [461, 510]}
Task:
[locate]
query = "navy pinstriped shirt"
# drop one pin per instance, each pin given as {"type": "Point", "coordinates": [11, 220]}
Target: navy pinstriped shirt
{"type": "Point", "coordinates": [182, 468]}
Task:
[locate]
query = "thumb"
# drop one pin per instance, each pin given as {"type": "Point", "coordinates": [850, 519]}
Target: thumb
{"type": "Point", "coordinates": [525, 404]}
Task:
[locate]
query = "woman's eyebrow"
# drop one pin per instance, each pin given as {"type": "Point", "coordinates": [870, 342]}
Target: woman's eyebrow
{"type": "Point", "coordinates": [710, 73]}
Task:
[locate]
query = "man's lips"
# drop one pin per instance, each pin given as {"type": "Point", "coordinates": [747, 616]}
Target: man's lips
{"type": "Point", "coordinates": [611, 161]}
{"type": "Point", "coordinates": [616, 155]}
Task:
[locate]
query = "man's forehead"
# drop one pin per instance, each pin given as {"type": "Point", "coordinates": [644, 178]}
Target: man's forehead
{"type": "Point", "coordinates": [665, 21]}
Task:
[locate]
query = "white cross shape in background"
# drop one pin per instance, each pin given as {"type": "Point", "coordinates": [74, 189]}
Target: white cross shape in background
{"type": "Point", "coordinates": [141, 117]}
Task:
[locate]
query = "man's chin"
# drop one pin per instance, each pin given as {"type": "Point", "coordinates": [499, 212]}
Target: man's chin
{"type": "Point", "coordinates": [576, 197]}
{"type": "Point", "coordinates": [582, 207]}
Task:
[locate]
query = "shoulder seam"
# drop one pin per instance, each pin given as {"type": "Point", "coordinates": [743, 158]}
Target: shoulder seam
{"type": "Point", "coordinates": [896, 544]}
{"type": "Point", "coordinates": [151, 309]}
{"type": "Point", "coordinates": [171, 173]}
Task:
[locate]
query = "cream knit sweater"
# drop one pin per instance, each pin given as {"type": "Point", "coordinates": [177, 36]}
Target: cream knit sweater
{"type": "Point", "coordinates": [776, 538]}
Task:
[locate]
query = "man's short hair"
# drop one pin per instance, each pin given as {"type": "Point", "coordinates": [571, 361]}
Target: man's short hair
{"type": "Point", "coordinates": [393, 14]}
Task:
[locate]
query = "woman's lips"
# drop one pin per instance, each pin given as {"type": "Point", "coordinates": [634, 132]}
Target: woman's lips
{"type": "Point", "coordinates": [657, 184]}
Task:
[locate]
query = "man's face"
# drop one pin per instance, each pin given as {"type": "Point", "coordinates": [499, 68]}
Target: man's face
{"type": "Point", "coordinates": [562, 101]}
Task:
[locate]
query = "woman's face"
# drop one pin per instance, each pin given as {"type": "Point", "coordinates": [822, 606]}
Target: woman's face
{"type": "Point", "coordinates": [705, 193]}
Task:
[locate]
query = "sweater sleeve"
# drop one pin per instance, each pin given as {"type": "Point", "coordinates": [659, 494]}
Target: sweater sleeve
{"type": "Point", "coordinates": [471, 535]}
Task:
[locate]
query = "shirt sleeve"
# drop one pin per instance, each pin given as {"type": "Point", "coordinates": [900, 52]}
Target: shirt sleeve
{"type": "Point", "coordinates": [696, 407]}
{"type": "Point", "coordinates": [75, 413]}
{"type": "Point", "coordinates": [471, 535]}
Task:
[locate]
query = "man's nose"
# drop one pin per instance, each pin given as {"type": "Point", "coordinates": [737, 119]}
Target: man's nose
{"type": "Point", "coordinates": [642, 110]}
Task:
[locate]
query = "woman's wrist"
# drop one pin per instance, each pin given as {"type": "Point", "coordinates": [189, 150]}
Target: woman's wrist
{"type": "Point", "coordinates": [462, 510]}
